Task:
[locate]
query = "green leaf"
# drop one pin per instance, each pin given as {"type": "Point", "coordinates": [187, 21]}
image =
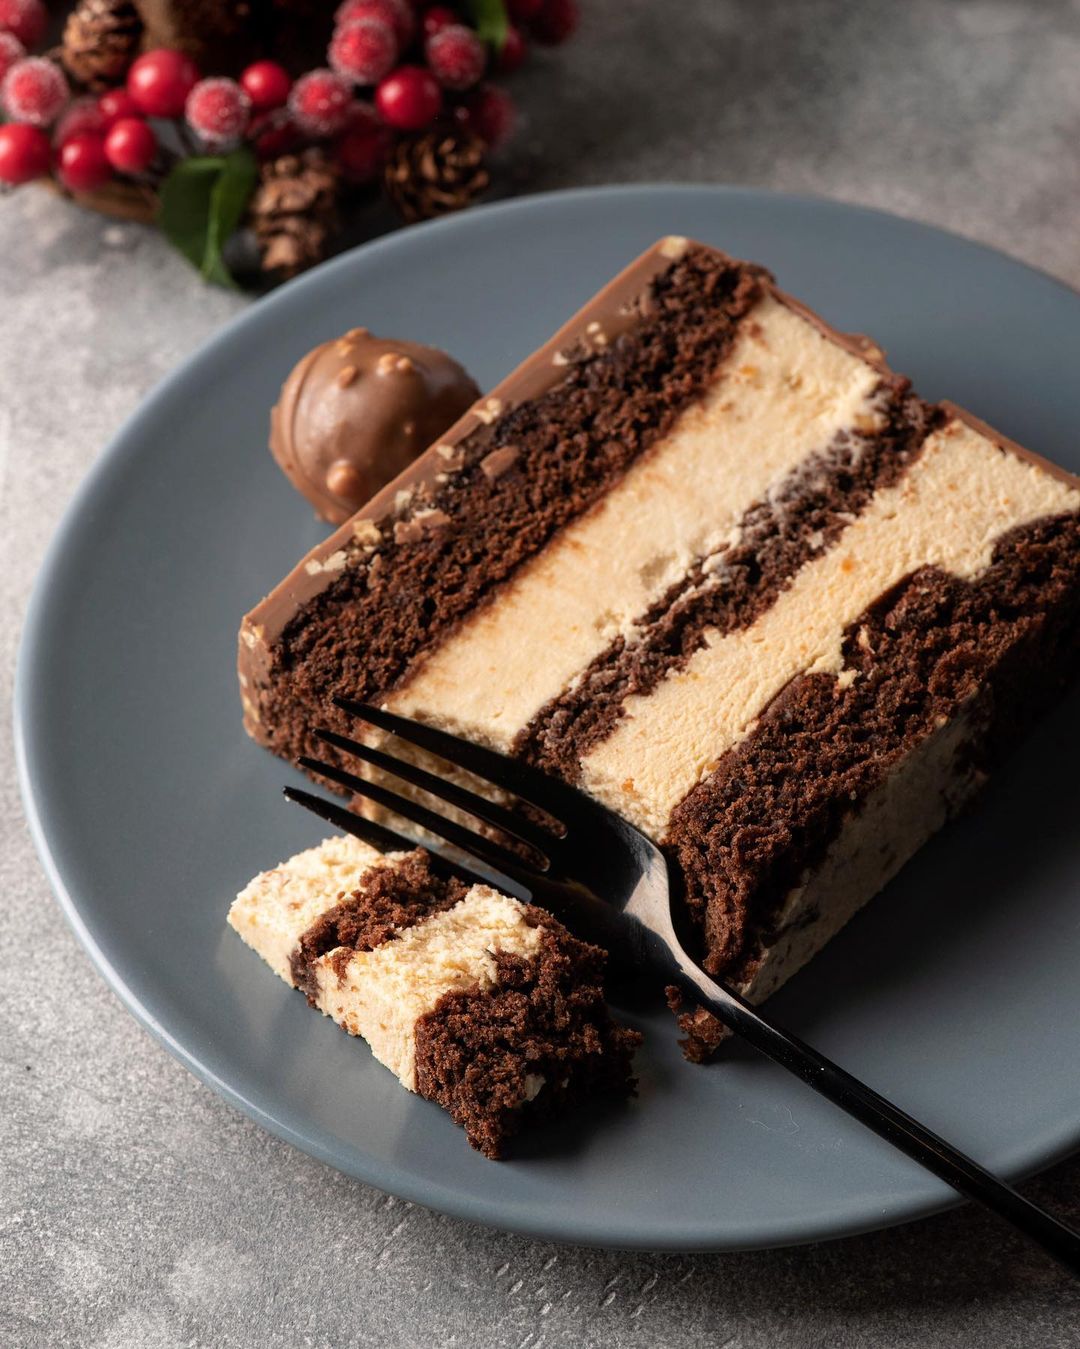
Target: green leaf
{"type": "Point", "coordinates": [490, 21]}
{"type": "Point", "coordinates": [202, 202]}
{"type": "Point", "coordinates": [228, 202]}
{"type": "Point", "coordinates": [185, 205]}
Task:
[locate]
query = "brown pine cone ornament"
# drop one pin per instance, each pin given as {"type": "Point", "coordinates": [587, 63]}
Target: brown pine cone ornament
{"type": "Point", "coordinates": [101, 39]}
{"type": "Point", "coordinates": [435, 173]}
{"type": "Point", "coordinates": [294, 211]}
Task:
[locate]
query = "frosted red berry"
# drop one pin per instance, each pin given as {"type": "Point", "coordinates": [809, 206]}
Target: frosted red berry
{"type": "Point", "coordinates": [34, 91]}
{"type": "Point", "coordinates": [514, 51]}
{"type": "Point", "coordinates": [82, 163]}
{"type": "Point", "coordinates": [11, 50]}
{"type": "Point", "coordinates": [274, 133]}
{"type": "Point", "coordinates": [25, 153]}
{"type": "Point", "coordinates": [409, 99]}
{"type": "Point", "coordinates": [160, 81]}
{"type": "Point", "coordinates": [489, 113]}
{"type": "Point", "coordinates": [524, 11]}
{"type": "Point", "coordinates": [130, 145]}
{"type": "Point", "coordinates": [363, 50]}
{"type": "Point", "coordinates": [557, 20]}
{"type": "Point", "coordinates": [218, 111]}
{"type": "Point", "coordinates": [362, 150]}
{"type": "Point", "coordinates": [117, 103]}
{"type": "Point", "coordinates": [24, 19]}
{"type": "Point", "coordinates": [320, 102]}
{"type": "Point", "coordinates": [456, 57]}
{"type": "Point", "coordinates": [267, 85]}
{"type": "Point", "coordinates": [83, 117]}
{"type": "Point", "coordinates": [437, 18]}
{"type": "Point", "coordinates": [396, 14]}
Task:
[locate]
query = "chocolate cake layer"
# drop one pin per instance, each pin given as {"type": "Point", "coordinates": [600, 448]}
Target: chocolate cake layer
{"type": "Point", "coordinates": [477, 1001]}
{"type": "Point", "coordinates": [802, 516]}
{"type": "Point", "coordinates": [468, 1048]}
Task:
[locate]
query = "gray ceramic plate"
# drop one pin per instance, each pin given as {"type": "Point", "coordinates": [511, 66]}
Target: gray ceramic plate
{"type": "Point", "coordinates": [956, 992]}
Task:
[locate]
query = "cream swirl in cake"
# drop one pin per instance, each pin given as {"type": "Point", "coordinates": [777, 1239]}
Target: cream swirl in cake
{"type": "Point", "coordinates": [718, 565]}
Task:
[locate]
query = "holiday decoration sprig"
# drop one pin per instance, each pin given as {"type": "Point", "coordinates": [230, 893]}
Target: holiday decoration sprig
{"type": "Point", "coordinates": [406, 103]}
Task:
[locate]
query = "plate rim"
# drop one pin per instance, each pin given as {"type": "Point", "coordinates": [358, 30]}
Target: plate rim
{"type": "Point", "coordinates": [389, 1177]}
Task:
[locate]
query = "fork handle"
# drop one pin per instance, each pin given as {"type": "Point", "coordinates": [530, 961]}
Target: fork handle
{"type": "Point", "coordinates": [885, 1119]}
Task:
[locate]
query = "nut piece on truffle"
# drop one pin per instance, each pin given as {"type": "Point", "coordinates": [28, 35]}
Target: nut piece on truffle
{"type": "Point", "coordinates": [359, 409]}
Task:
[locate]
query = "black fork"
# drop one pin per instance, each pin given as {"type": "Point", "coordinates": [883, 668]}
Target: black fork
{"type": "Point", "coordinates": [610, 884]}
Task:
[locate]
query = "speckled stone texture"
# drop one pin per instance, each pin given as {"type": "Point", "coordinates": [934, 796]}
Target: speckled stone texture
{"type": "Point", "coordinates": [137, 1211]}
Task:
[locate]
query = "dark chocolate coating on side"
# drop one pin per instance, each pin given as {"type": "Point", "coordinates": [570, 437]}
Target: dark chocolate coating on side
{"type": "Point", "coordinates": [357, 410]}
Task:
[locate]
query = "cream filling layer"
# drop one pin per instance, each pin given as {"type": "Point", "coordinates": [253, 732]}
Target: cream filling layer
{"type": "Point", "coordinates": [949, 509]}
{"type": "Point", "coordinates": [783, 392]}
{"type": "Point", "coordinates": [379, 994]}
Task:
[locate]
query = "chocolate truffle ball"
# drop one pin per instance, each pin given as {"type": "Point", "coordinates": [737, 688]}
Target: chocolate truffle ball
{"type": "Point", "coordinates": [357, 410]}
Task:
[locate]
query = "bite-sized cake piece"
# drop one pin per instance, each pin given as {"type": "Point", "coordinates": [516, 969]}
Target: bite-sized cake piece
{"type": "Point", "coordinates": [480, 1003]}
{"type": "Point", "coordinates": [718, 565]}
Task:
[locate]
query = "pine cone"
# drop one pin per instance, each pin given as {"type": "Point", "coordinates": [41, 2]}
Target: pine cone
{"type": "Point", "coordinates": [435, 173]}
{"type": "Point", "coordinates": [294, 211]}
{"type": "Point", "coordinates": [101, 39]}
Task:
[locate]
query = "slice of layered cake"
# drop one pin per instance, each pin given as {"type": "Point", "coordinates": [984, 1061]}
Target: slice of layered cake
{"type": "Point", "coordinates": [716, 564]}
{"type": "Point", "coordinates": [487, 1006]}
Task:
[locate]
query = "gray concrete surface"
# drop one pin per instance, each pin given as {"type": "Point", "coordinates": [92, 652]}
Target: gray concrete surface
{"type": "Point", "coordinates": [137, 1211]}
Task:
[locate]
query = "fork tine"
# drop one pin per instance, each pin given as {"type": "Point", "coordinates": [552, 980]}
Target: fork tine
{"type": "Point", "coordinates": [488, 811]}
{"type": "Point", "coordinates": [456, 834]}
{"type": "Point", "coordinates": [512, 775]}
{"type": "Point", "coordinates": [367, 831]}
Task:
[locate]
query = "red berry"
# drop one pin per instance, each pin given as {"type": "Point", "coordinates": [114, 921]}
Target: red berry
{"type": "Point", "coordinates": [514, 51]}
{"type": "Point", "coordinates": [396, 14]}
{"type": "Point", "coordinates": [25, 153]}
{"type": "Point", "coordinates": [456, 56]}
{"type": "Point", "coordinates": [160, 81]}
{"type": "Point", "coordinates": [83, 166]}
{"type": "Point", "coordinates": [274, 134]}
{"type": "Point", "coordinates": [362, 150]}
{"type": "Point", "coordinates": [320, 102]}
{"type": "Point", "coordinates": [83, 117]}
{"type": "Point", "coordinates": [267, 85]}
{"type": "Point", "coordinates": [489, 113]}
{"type": "Point", "coordinates": [218, 111]}
{"type": "Point", "coordinates": [437, 18]}
{"type": "Point", "coordinates": [24, 19]}
{"type": "Point", "coordinates": [34, 91]}
{"type": "Point", "coordinates": [556, 21]}
{"type": "Point", "coordinates": [11, 50]}
{"type": "Point", "coordinates": [131, 145]}
{"type": "Point", "coordinates": [409, 99]}
{"type": "Point", "coordinates": [117, 103]}
{"type": "Point", "coordinates": [524, 11]}
{"type": "Point", "coordinates": [363, 50]}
